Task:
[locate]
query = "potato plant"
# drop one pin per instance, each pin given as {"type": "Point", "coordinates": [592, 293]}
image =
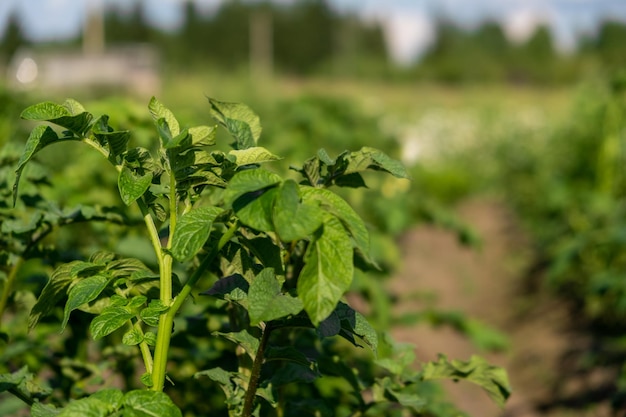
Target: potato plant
{"type": "Point", "coordinates": [274, 254]}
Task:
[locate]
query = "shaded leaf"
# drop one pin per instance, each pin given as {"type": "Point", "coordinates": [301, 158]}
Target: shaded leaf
{"type": "Point", "coordinates": [40, 137]}
{"type": "Point", "coordinates": [249, 181]}
{"type": "Point", "coordinates": [266, 302]}
{"type": "Point", "coordinates": [370, 158]}
{"type": "Point", "coordinates": [54, 291]}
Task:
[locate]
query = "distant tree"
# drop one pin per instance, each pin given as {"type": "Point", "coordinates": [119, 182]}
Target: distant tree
{"type": "Point", "coordinates": [12, 38]}
{"type": "Point", "coordinates": [304, 36]}
{"type": "Point", "coordinates": [610, 44]}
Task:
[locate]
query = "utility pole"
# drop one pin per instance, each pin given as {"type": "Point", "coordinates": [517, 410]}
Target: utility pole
{"type": "Point", "coordinates": [261, 44]}
{"type": "Point", "coordinates": [93, 28]}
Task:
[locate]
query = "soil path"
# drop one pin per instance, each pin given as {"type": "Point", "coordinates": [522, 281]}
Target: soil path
{"type": "Point", "coordinates": [484, 284]}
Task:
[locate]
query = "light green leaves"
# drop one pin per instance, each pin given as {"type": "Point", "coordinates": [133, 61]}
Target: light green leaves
{"type": "Point", "coordinates": [294, 220]}
{"type": "Point", "coordinates": [159, 111]}
{"type": "Point", "coordinates": [70, 115]}
{"type": "Point", "coordinates": [267, 302]}
{"type": "Point", "coordinates": [239, 120]}
{"type": "Point", "coordinates": [131, 185]}
{"type": "Point", "coordinates": [111, 319]}
{"type": "Point", "coordinates": [254, 155]}
{"type": "Point", "coordinates": [192, 231]}
{"type": "Point", "coordinates": [491, 378]}
{"type": "Point", "coordinates": [328, 270]}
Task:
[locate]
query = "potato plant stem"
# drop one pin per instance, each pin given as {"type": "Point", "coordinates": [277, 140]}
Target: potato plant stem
{"type": "Point", "coordinates": [255, 373]}
{"type": "Point", "coordinates": [8, 286]}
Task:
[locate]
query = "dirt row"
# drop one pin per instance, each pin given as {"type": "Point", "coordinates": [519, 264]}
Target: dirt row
{"type": "Point", "coordinates": [486, 283]}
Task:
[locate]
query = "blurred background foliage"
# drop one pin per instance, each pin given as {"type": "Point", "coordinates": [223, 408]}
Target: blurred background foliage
{"type": "Point", "coordinates": [541, 132]}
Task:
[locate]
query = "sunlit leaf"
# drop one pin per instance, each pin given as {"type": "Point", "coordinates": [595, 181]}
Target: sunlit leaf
{"type": "Point", "coordinates": [254, 155]}
{"type": "Point", "coordinates": [292, 219]}
{"type": "Point", "coordinates": [239, 120]}
{"type": "Point", "coordinates": [159, 111]}
{"type": "Point", "coordinates": [111, 319]}
{"type": "Point", "coordinates": [85, 291]}
{"type": "Point", "coordinates": [145, 403]}
{"type": "Point", "coordinates": [491, 378]}
{"type": "Point", "coordinates": [328, 270]}
{"type": "Point", "coordinates": [192, 231]}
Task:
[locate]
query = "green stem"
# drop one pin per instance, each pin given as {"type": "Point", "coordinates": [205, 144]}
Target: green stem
{"type": "Point", "coordinates": [167, 318]}
{"type": "Point", "coordinates": [253, 384]}
{"type": "Point", "coordinates": [143, 347]}
{"type": "Point", "coordinates": [8, 286]}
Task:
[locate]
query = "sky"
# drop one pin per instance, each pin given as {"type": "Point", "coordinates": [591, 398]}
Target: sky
{"type": "Point", "coordinates": [408, 24]}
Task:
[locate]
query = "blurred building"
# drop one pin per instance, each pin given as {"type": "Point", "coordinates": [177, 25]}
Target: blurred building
{"type": "Point", "coordinates": [131, 68]}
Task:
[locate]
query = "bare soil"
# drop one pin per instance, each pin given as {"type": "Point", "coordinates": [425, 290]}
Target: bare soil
{"type": "Point", "coordinates": [487, 284]}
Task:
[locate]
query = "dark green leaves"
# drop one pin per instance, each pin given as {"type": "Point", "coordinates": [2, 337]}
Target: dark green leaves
{"type": "Point", "coordinates": [345, 170]}
{"type": "Point", "coordinates": [192, 231]}
{"type": "Point", "coordinates": [239, 120]}
{"type": "Point", "coordinates": [492, 378]}
{"type": "Point", "coordinates": [266, 301]}
{"type": "Point", "coordinates": [40, 137]}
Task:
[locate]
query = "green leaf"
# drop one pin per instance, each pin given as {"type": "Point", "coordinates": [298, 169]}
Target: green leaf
{"type": "Point", "coordinates": [159, 111]}
{"type": "Point", "coordinates": [110, 396]}
{"type": "Point", "coordinates": [150, 315]}
{"type": "Point", "coordinates": [71, 115]}
{"type": "Point", "coordinates": [202, 135]}
{"type": "Point", "coordinates": [132, 337]}
{"type": "Point", "coordinates": [492, 379]}
{"type": "Point", "coordinates": [85, 291]}
{"type": "Point", "coordinates": [244, 339]}
{"type": "Point", "coordinates": [144, 403]}
{"type": "Point", "coordinates": [54, 291]}
{"type": "Point", "coordinates": [86, 407]}
{"type": "Point", "coordinates": [249, 181]}
{"type": "Point", "coordinates": [131, 185]}
{"type": "Point", "coordinates": [254, 155]}
{"type": "Point", "coordinates": [328, 270]}
{"type": "Point", "coordinates": [354, 323]}
{"type": "Point", "coordinates": [116, 141]}
{"type": "Point", "coordinates": [111, 319]}
{"type": "Point", "coordinates": [338, 207]}
{"type": "Point", "coordinates": [43, 410]}
{"type": "Point", "coordinates": [292, 219]}
{"type": "Point", "coordinates": [266, 302]}
{"type": "Point", "coordinates": [192, 231]}
{"type": "Point", "coordinates": [256, 211]}
{"type": "Point", "coordinates": [239, 120]}
{"type": "Point", "coordinates": [370, 158]}
{"type": "Point", "coordinates": [40, 137]}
